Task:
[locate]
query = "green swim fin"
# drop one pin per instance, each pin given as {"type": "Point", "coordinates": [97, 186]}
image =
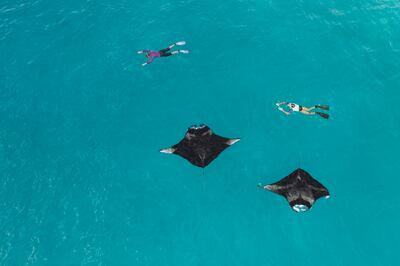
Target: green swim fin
{"type": "Point", "coordinates": [326, 116]}
{"type": "Point", "coordinates": [323, 107]}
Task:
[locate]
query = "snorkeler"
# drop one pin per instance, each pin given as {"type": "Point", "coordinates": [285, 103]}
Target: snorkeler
{"type": "Point", "coordinates": [162, 53]}
{"type": "Point", "coordinates": [304, 110]}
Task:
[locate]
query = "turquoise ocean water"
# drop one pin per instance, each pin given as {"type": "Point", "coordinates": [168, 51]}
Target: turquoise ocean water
{"type": "Point", "coordinates": [81, 123]}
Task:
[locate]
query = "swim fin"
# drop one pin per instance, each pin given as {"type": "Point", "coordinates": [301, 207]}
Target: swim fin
{"type": "Point", "coordinates": [184, 51]}
{"type": "Point", "coordinates": [180, 43]}
{"type": "Point", "coordinates": [323, 107]}
{"type": "Point", "coordinates": [326, 116]}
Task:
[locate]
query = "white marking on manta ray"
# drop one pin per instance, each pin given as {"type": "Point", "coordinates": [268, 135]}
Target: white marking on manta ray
{"type": "Point", "coordinates": [202, 157]}
{"type": "Point", "coordinates": [232, 141]}
{"type": "Point", "coordinates": [168, 150]}
{"type": "Point", "coordinates": [300, 208]}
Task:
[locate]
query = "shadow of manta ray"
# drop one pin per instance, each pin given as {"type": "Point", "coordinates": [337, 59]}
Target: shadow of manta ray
{"type": "Point", "coordinates": [200, 146]}
{"type": "Point", "coordinates": [299, 189]}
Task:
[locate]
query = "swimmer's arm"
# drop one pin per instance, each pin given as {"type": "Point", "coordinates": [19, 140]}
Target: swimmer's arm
{"type": "Point", "coordinates": [148, 62]}
{"type": "Point", "coordinates": [283, 111]}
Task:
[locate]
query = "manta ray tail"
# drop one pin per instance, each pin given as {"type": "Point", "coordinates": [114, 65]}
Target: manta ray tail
{"type": "Point", "coordinates": [168, 150]}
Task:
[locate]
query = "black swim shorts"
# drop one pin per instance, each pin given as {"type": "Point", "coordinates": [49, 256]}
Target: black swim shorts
{"type": "Point", "coordinates": [165, 52]}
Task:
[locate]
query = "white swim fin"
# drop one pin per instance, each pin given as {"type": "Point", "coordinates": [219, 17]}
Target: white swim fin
{"type": "Point", "coordinates": [180, 43]}
{"type": "Point", "coordinates": [184, 51]}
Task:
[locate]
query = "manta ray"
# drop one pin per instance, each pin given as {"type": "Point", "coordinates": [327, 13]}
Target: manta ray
{"type": "Point", "coordinates": [299, 189]}
{"type": "Point", "coordinates": [200, 146]}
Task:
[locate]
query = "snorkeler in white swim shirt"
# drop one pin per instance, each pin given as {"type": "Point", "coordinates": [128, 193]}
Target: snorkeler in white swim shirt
{"type": "Point", "coordinates": [293, 107]}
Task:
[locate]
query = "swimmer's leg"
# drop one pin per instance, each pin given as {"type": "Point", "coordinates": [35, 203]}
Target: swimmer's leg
{"type": "Point", "coordinates": [165, 54]}
{"type": "Point", "coordinates": [326, 116]}
{"type": "Point", "coordinates": [166, 50]}
{"type": "Point", "coordinates": [306, 112]}
{"type": "Point", "coordinates": [308, 109]}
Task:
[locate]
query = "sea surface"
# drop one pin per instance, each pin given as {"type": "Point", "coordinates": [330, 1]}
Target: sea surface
{"type": "Point", "coordinates": [82, 181]}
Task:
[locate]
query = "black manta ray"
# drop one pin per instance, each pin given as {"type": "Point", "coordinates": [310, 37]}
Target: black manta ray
{"type": "Point", "coordinates": [300, 190]}
{"type": "Point", "coordinates": [200, 146]}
